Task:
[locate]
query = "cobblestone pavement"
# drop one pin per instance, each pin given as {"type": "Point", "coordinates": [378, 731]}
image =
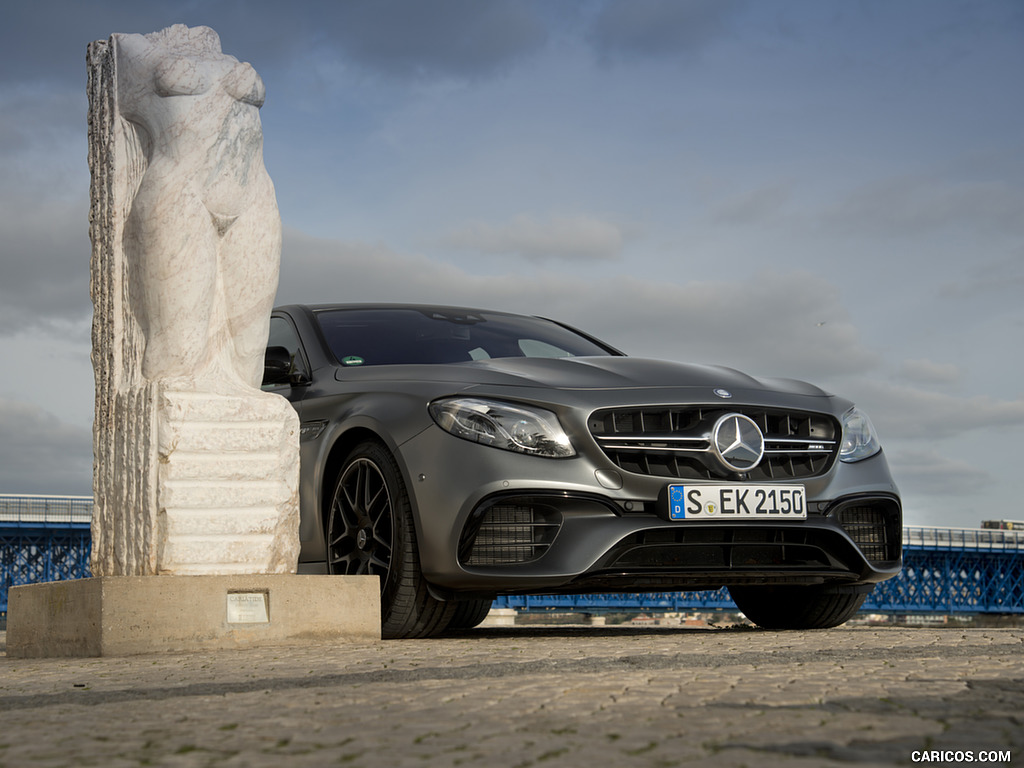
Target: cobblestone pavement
{"type": "Point", "coordinates": [563, 696]}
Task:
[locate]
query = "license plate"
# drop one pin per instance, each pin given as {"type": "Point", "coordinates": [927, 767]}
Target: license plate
{"type": "Point", "coordinates": [734, 502]}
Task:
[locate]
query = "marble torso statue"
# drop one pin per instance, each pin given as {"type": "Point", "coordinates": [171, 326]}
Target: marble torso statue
{"type": "Point", "coordinates": [196, 469]}
{"type": "Point", "coordinates": [203, 232]}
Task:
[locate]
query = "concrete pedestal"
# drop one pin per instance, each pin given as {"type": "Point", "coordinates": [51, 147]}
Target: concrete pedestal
{"type": "Point", "coordinates": [127, 615]}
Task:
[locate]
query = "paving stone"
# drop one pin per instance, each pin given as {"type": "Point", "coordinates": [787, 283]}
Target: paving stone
{"type": "Point", "coordinates": [517, 697]}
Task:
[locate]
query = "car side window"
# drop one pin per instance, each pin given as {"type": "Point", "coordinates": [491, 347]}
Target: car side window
{"type": "Point", "coordinates": [537, 348]}
{"type": "Point", "coordinates": [283, 334]}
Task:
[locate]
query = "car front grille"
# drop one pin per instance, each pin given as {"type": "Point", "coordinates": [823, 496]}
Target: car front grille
{"type": "Point", "coordinates": [520, 530]}
{"type": "Point", "coordinates": [675, 441]}
{"type": "Point", "coordinates": [875, 527]}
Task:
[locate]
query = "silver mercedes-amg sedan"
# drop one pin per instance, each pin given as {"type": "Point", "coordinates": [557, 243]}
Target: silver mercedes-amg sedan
{"type": "Point", "coordinates": [461, 453]}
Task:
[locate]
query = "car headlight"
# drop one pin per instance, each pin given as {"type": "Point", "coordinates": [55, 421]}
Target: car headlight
{"type": "Point", "coordinates": [503, 425]}
{"type": "Point", "coordinates": [859, 438]}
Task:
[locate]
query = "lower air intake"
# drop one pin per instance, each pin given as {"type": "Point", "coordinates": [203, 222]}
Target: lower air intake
{"type": "Point", "coordinates": [509, 533]}
{"type": "Point", "coordinates": [875, 528]}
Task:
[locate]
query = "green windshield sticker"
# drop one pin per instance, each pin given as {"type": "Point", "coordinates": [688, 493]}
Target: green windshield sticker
{"type": "Point", "coordinates": [352, 360]}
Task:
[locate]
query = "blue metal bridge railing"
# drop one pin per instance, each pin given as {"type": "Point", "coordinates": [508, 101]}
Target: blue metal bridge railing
{"type": "Point", "coordinates": [955, 570]}
{"type": "Point", "coordinates": [43, 538]}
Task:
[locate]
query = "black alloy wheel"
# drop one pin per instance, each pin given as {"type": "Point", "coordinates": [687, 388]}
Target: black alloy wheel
{"type": "Point", "coordinates": [360, 531]}
{"type": "Point", "coordinates": [370, 531]}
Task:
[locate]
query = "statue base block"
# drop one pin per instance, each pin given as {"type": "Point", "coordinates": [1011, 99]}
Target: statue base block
{"type": "Point", "coordinates": [128, 615]}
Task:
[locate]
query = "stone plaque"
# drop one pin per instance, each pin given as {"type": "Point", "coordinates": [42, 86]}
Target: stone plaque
{"type": "Point", "coordinates": [248, 608]}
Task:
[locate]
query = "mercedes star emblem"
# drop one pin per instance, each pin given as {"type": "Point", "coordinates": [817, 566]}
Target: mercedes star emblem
{"type": "Point", "coordinates": [738, 442]}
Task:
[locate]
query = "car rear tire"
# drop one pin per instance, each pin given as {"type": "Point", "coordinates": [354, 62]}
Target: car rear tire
{"type": "Point", "coordinates": [469, 613]}
{"type": "Point", "coordinates": [370, 530]}
{"type": "Point", "coordinates": [788, 607]}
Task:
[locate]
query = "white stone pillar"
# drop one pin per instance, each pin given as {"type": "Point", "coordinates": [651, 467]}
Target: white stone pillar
{"type": "Point", "coordinates": [195, 469]}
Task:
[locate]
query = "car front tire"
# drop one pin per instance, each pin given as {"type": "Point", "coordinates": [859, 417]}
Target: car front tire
{"type": "Point", "coordinates": [469, 613]}
{"type": "Point", "coordinates": [786, 607]}
{"type": "Point", "coordinates": [370, 530]}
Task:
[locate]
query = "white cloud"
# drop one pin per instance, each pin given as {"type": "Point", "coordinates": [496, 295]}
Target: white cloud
{"type": "Point", "coordinates": [911, 412]}
{"type": "Point", "coordinates": [929, 372]}
{"type": "Point", "coordinates": [535, 239]}
{"type": "Point", "coordinates": [767, 324]}
{"type": "Point", "coordinates": [752, 207]}
{"type": "Point", "coordinates": [942, 489]}
{"type": "Point", "coordinates": [315, 270]}
{"type": "Point", "coordinates": [916, 205]}
{"type": "Point", "coordinates": [990, 277]}
{"type": "Point", "coordinates": [933, 474]}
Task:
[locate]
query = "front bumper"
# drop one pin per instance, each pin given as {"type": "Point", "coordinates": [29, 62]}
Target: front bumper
{"type": "Point", "coordinates": [491, 521]}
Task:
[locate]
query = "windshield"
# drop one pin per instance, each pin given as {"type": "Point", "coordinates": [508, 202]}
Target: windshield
{"type": "Point", "coordinates": [383, 336]}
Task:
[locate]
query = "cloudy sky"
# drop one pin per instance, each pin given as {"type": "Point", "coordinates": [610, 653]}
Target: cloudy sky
{"type": "Point", "coordinates": [830, 190]}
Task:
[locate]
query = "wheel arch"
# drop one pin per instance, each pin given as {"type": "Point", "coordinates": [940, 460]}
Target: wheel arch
{"type": "Point", "coordinates": [340, 449]}
{"type": "Point", "coordinates": [343, 445]}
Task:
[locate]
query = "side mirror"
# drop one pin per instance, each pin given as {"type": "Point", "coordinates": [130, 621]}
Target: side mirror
{"type": "Point", "coordinates": [277, 366]}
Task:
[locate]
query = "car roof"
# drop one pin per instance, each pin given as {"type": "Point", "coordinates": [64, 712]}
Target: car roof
{"type": "Point", "coordinates": [442, 308]}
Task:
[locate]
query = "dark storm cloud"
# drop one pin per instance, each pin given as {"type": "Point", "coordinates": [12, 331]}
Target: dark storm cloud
{"type": "Point", "coordinates": [41, 454]}
{"type": "Point", "coordinates": [44, 243]}
{"type": "Point", "coordinates": [640, 28]}
{"type": "Point", "coordinates": [46, 41]}
{"type": "Point", "coordinates": [45, 255]}
{"type": "Point", "coordinates": [395, 37]}
{"type": "Point", "coordinates": [446, 37]}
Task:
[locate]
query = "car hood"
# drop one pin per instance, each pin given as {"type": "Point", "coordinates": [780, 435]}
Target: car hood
{"type": "Point", "coordinates": [587, 373]}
